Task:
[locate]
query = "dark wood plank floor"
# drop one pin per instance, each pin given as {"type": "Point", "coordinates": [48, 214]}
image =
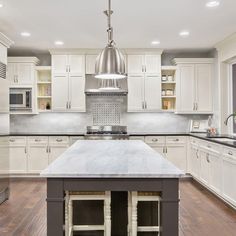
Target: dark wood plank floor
{"type": "Point", "coordinates": [201, 213]}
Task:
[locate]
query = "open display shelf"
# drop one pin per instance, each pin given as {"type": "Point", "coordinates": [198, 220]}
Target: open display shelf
{"type": "Point", "coordinates": [44, 89]}
{"type": "Point", "coordinates": [168, 88]}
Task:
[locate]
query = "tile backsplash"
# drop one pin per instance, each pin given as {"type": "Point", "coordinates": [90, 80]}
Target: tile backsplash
{"type": "Point", "coordinates": [77, 122]}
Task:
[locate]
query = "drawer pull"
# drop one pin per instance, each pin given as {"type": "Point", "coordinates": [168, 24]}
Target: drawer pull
{"type": "Point", "coordinates": [208, 146]}
{"type": "Point", "coordinates": [59, 140]}
{"type": "Point", "coordinates": [37, 140]}
{"type": "Point", "coordinates": [230, 153]}
{"type": "Point", "coordinates": [176, 140]}
{"type": "Point", "coordinates": [154, 139]}
{"type": "Point", "coordinates": [12, 140]}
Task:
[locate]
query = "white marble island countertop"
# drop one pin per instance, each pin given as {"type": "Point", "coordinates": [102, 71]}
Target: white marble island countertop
{"type": "Point", "coordinates": [111, 159]}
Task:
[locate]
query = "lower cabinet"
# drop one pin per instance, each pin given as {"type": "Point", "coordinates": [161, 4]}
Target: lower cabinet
{"type": "Point", "coordinates": [172, 148]}
{"type": "Point", "coordinates": [194, 161]}
{"type": "Point", "coordinates": [30, 155]}
{"type": "Point", "coordinates": [229, 175]}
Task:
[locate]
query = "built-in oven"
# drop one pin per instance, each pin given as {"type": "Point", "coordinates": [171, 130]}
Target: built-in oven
{"type": "Point", "coordinates": [20, 99]}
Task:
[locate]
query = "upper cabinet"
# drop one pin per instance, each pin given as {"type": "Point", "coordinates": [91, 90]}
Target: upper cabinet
{"type": "Point", "coordinates": [144, 83]}
{"type": "Point", "coordinates": [21, 71]}
{"type": "Point", "coordinates": [68, 82]}
{"type": "Point", "coordinates": [90, 64]}
{"type": "Point", "coordinates": [194, 85]}
{"type": "Point", "coordinates": [149, 64]}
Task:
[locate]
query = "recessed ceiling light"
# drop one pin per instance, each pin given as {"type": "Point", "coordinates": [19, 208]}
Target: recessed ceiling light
{"type": "Point", "coordinates": [59, 43]}
{"type": "Point", "coordinates": [213, 3]}
{"type": "Point", "coordinates": [1, 5]}
{"type": "Point", "coordinates": [25, 34]}
{"type": "Point", "coordinates": [184, 33]}
{"type": "Point", "coordinates": [155, 42]}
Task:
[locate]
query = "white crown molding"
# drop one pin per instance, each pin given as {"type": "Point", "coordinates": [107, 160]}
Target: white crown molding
{"type": "Point", "coordinates": [33, 60]}
{"type": "Point", "coordinates": [72, 51]}
{"type": "Point", "coordinates": [5, 40]}
{"type": "Point", "coordinates": [177, 61]}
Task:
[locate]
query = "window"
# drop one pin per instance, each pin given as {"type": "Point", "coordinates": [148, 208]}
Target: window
{"type": "Point", "coordinates": [234, 94]}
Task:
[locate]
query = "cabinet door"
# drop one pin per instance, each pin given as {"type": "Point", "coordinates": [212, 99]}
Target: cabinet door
{"type": "Point", "coordinates": [136, 93]}
{"type": "Point", "coordinates": [185, 88]}
{"type": "Point", "coordinates": [177, 155]}
{"type": "Point", "coordinates": [25, 73]}
{"type": "Point", "coordinates": [229, 178]}
{"type": "Point", "coordinates": [215, 172]}
{"type": "Point", "coordinates": [60, 93]}
{"type": "Point", "coordinates": [204, 168]}
{"type": "Point", "coordinates": [37, 159]}
{"type": "Point", "coordinates": [153, 64]}
{"type": "Point", "coordinates": [76, 93]}
{"type": "Point", "coordinates": [4, 93]}
{"type": "Point", "coordinates": [59, 65]}
{"type": "Point", "coordinates": [18, 159]}
{"type": "Point", "coordinates": [76, 65]}
{"type": "Point", "coordinates": [159, 149]}
{"type": "Point", "coordinates": [194, 162]}
{"type": "Point", "coordinates": [11, 73]}
{"type": "Point", "coordinates": [55, 152]}
{"type": "Point", "coordinates": [135, 64]}
{"type": "Point", "coordinates": [152, 93]}
{"type": "Point", "coordinates": [203, 76]}
{"type": "Point", "coordinates": [90, 64]}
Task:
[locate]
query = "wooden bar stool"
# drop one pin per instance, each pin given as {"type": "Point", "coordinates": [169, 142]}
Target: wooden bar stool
{"type": "Point", "coordinates": [87, 196]}
{"type": "Point", "coordinates": [133, 199]}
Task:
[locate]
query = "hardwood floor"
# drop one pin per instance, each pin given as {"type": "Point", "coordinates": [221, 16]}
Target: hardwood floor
{"type": "Point", "coordinates": [201, 213]}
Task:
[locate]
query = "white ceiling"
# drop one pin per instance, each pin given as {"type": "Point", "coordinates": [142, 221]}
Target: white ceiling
{"type": "Point", "coordinates": [81, 23]}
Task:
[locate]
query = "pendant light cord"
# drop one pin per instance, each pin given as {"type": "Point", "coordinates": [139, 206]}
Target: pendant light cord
{"type": "Point", "coordinates": [108, 13]}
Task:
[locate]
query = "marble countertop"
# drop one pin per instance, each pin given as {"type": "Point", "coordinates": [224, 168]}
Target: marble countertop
{"type": "Point", "coordinates": [111, 159]}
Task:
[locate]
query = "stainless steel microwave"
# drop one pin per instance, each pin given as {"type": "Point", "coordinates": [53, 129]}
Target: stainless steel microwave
{"type": "Point", "coordinates": [20, 99]}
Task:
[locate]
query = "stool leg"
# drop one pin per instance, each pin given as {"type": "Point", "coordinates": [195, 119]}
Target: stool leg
{"type": "Point", "coordinates": [107, 214]}
{"type": "Point", "coordinates": [70, 218]}
{"type": "Point", "coordinates": [134, 210]}
{"type": "Point", "coordinates": [66, 214]}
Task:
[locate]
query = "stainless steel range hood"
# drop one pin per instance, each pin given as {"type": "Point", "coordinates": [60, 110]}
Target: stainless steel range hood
{"type": "Point", "coordinates": [93, 86]}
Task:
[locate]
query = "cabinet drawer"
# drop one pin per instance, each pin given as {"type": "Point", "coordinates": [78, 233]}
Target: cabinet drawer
{"type": "Point", "coordinates": [58, 140]}
{"type": "Point", "coordinates": [194, 141]}
{"type": "Point", "coordinates": [155, 139]}
{"type": "Point", "coordinates": [38, 140]}
{"type": "Point", "coordinates": [209, 146]}
{"type": "Point", "coordinates": [230, 152]}
{"type": "Point", "coordinates": [175, 140]}
{"type": "Point", "coordinates": [16, 140]}
{"type": "Point", "coordinates": [136, 138]}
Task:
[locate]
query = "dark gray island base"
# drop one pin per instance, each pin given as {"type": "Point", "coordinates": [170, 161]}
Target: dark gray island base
{"type": "Point", "coordinates": [138, 184]}
{"type": "Point", "coordinates": [168, 188]}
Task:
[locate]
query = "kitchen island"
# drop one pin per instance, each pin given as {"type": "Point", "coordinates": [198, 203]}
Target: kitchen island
{"type": "Point", "coordinates": [118, 166]}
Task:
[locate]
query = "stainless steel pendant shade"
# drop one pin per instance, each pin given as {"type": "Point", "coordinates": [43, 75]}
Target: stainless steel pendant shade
{"type": "Point", "coordinates": [110, 63]}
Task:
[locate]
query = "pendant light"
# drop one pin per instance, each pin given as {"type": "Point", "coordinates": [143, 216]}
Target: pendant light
{"type": "Point", "coordinates": [110, 63]}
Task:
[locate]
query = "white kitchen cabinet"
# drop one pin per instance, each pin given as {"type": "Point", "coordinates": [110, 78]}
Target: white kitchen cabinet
{"type": "Point", "coordinates": [68, 83]}
{"type": "Point", "coordinates": [204, 167]}
{"type": "Point", "coordinates": [3, 53]}
{"type": "Point", "coordinates": [149, 64]}
{"type": "Point", "coordinates": [56, 146]}
{"type": "Point", "coordinates": [37, 154]}
{"type": "Point", "coordinates": [90, 64]}
{"type": "Point", "coordinates": [194, 161]}
{"type": "Point", "coordinates": [136, 93]}
{"type": "Point", "coordinates": [194, 85]}
{"type": "Point", "coordinates": [229, 175]}
{"type": "Point", "coordinates": [60, 91]}
{"type": "Point", "coordinates": [172, 148]}
{"type": "Point", "coordinates": [144, 83]}
{"type": "Point", "coordinates": [76, 93]}
{"type": "Point", "coordinates": [18, 155]}
{"type": "Point", "coordinates": [4, 91]}
{"type": "Point", "coordinates": [21, 71]}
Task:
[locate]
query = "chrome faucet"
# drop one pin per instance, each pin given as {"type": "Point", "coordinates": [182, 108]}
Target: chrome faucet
{"type": "Point", "coordinates": [227, 119]}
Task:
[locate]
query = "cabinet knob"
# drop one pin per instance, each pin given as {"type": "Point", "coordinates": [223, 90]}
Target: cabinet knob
{"type": "Point", "coordinates": [176, 140]}
{"type": "Point", "coordinates": [230, 153]}
{"type": "Point", "coordinates": [37, 140]}
{"type": "Point", "coordinates": [12, 140]}
{"type": "Point", "coordinates": [154, 139]}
